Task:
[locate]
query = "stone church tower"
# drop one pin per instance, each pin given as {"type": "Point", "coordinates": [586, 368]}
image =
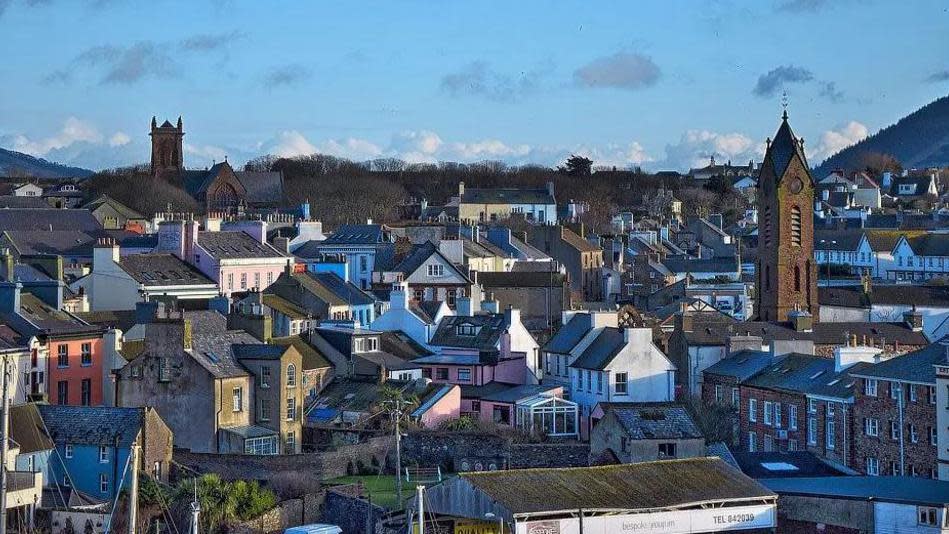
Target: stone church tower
{"type": "Point", "coordinates": [167, 155]}
{"type": "Point", "coordinates": [787, 273]}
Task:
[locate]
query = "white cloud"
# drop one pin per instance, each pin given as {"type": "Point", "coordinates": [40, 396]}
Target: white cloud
{"type": "Point", "coordinates": [695, 147]}
{"type": "Point", "coordinates": [350, 148]}
{"type": "Point", "coordinates": [287, 144]}
{"type": "Point", "coordinates": [119, 139]}
{"type": "Point", "coordinates": [205, 152]}
{"type": "Point", "coordinates": [73, 131]}
{"type": "Point", "coordinates": [833, 141]}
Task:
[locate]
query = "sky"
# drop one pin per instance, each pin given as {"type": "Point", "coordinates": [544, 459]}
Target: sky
{"type": "Point", "coordinates": [662, 85]}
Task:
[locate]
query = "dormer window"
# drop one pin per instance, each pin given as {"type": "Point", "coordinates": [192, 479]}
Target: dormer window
{"type": "Point", "coordinates": [365, 344]}
{"type": "Point", "coordinates": [466, 330]}
{"type": "Point", "coordinates": [436, 270]}
{"type": "Point", "coordinates": [907, 189]}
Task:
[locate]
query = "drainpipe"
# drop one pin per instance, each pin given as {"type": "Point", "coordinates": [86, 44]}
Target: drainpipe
{"type": "Point", "coordinates": [217, 416]}
{"type": "Point", "coordinates": [902, 451]}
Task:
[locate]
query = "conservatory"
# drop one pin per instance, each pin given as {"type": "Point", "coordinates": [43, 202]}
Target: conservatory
{"type": "Point", "coordinates": [551, 416]}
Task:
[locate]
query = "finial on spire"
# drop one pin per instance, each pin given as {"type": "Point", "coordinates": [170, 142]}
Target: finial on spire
{"type": "Point", "coordinates": [784, 104]}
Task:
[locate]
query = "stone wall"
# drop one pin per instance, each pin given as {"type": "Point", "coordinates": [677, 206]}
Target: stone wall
{"type": "Point", "coordinates": [474, 452]}
{"type": "Point", "coordinates": [288, 513]}
{"type": "Point", "coordinates": [350, 512]}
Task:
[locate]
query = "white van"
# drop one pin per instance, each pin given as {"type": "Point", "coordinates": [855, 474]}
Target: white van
{"type": "Point", "coordinates": [314, 529]}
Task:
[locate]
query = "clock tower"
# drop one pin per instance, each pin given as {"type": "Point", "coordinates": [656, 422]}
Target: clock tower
{"type": "Point", "coordinates": [786, 271]}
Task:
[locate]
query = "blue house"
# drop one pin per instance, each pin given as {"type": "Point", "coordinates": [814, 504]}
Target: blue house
{"type": "Point", "coordinates": [367, 247]}
{"type": "Point", "coordinates": [94, 443]}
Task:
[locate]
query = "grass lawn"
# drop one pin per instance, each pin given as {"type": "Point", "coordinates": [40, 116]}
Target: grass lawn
{"type": "Point", "coordinates": [381, 487]}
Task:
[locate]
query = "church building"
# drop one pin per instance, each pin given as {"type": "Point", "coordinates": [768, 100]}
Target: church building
{"type": "Point", "coordinates": [218, 189]}
{"type": "Point", "coordinates": [787, 273]}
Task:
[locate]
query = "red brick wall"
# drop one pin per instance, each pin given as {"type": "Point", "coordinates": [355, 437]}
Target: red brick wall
{"type": "Point", "coordinates": [921, 455]}
{"type": "Point", "coordinates": [761, 429]}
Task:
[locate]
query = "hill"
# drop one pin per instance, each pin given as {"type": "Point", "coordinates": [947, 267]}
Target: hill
{"type": "Point", "coordinates": [14, 163]}
{"type": "Point", "coordinates": [921, 139]}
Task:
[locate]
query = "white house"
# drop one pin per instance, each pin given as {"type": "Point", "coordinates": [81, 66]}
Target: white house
{"type": "Point", "coordinates": [920, 258]}
{"type": "Point", "coordinates": [410, 317]}
{"type": "Point", "coordinates": [578, 331]}
{"type": "Point", "coordinates": [28, 190]}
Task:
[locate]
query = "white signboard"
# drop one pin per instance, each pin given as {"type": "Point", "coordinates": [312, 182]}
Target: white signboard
{"type": "Point", "coordinates": [677, 522]}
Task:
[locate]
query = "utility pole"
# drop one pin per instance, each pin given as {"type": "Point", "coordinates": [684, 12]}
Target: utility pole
{"type": "Point", "coordinates": [133, 494]}
{"type": "Point", "coordinates": [397, 416]}
{"type": "Point", "coordinates": [5, 428]}
{"type": "Point", "coordinates": [421, 508]}
{"type": "Point", "coordinates": [195, 510]}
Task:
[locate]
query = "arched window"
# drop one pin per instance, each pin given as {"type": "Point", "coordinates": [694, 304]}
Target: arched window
{"type": "Point", "coordinates": [797, 278]}
{"type": "Point", "coordinates": [291, 376]}
{"type": "Point", "coordinates": [795, 226]}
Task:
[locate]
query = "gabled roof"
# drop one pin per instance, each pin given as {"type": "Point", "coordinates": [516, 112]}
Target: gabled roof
{"type": "Point", "coordinates": [162, 269]}
{"type": "Point", "coordinates": [122, 209]}
{"type": "Point", "coordinates": [48, 219]}
{"type": "Point", "coordinates": [598, 354]}
{"type": "Point", "coordinates": [506, 196]}
{"type": "Point", "coordinates": [569, 335]}
{"type": "Point", "coordinates": [656, 420]}
{"type": "Point", "coordinates": [419, 255]}
{"type": "Point", "coordinates": [215, 351]}
{"type": "Point", "coordinates": [906, 490]}
{"type": "Point", "coordinates": [312, 358]}
{"type": "Point", "coordinates": [741, 365]}
{"type": "Point", "coordinates": [929, 244]}
{"type": "Point", "coordinates": [235, 245]}
{"type": "Point", "coordinates": [489, 328]}
{"type": "Point", "coordinates": [47, 320]}
{"type": "Point", "coordinates": [357, 234]}
{"type": "Point", "coordinates": [92, 425]}
{"type": "Point", "coordinates": [26, 428]}
{"type": "Point", "coordinates": [13, 201]}
{"type": "Point", "coordinates": [345, 291]}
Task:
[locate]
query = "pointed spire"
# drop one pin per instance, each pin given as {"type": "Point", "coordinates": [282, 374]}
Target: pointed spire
{"type": "Point", "coordinates": [784, 116]}
{"type": "Point", "coordinates": [179, 122]}
{"type": "Point", "coordinates": [154, 122]}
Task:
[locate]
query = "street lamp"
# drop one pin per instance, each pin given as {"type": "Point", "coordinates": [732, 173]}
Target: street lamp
{"type": "Point", "coordinates": [832, 242]}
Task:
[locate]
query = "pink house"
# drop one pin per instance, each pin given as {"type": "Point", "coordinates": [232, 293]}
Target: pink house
{"type": "Point", "coordinates": [498, 402]}
{"type": "Point", "coordinates": [237, 258]}
{"type": "Point", "coordinates": [443, 404]}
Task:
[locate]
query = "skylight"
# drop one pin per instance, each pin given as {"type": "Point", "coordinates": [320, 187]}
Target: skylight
{"type": "Point", "coordinates": [778, 466]}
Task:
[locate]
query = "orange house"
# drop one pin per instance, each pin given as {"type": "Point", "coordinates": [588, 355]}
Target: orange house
{"type": "Point", "coordinates": [75, 370]}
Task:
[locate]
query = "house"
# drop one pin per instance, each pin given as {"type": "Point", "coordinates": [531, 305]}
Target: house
{"type": "Point", "coordinates": [726, 170]}
{"type": "Point", "coordinates": [580, 258]}
{"type": "Point", "coordinates": [430, 275]}
{"type": "Point", "coordinates": [642, 432]}
{"type": "Point", "coordinates": [208, 383]}
{"type": "Point", "coordinates": [417, 320]}
{"type": "Point", "coordinates": [884, 303]}
{"type": "Point", "coordinates": [919, 258]}
{"type": "Point", "coordinates": [721, 382]}
{"type": "Point", "coordinates": [48, 220]}
{"type": "Point", "coordinates": [942, 417]}
{"type": "Point", "coordinates": [476, 348]}
{"type": "Point", "coordinates": [236, 259]}
{"type": "Point", "coordinates": [360, 353]}
{"type": "Point", "coordinates": [894, 414]}
{"type": "Point", "coordinates": [117, 282]}
{"type": "Point", "coordinates": [484, 205]}
{"type": "Point", "coordinates": [113, 215]}
{"type": "Point", "coordinates": [316, 372]}
{"type": "Point", "coordinates": [535, 409]}
{"type": "Point", "coordinates": [914, 187]}
{"type": "Point", "coordinates": [675, 492]}
{"type": "Point", "coordinates": [94, 446]}
{"type": "Point", "coordinates": [542, 297]}
{"type": "Point", "coordinates": [517, 247]}
{"type": "Point", "coordinates": [367, 248]}
{"type": "Point", "coordinates": [441, 404]}
{"type": "Point", "coordinates": [578, 330]}
{"type": "Point", "coordinates": [318, 296]}
{"type": "Point", "coordinates": [63, 196]}
{"type": "Point", "coordinates": [79, 348]}
{"type": "Point", "coordinates": [28, 190]}
{"type": "Point", "coordinates": [36, 449]}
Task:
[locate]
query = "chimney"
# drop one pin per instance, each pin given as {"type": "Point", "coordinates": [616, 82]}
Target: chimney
{"type": "Point", "coordinates": [282, 244]}
{"type": "Point", "coordinates": [463, 307]}
{"type": "Point", "coordinates": [399, 297]}
{"type": "Point", "coordinates": [105, 253]}
{"type": "Point", "coordinates": [489, 305]}
{"type": "Point", "coordinates": [212, 222]}
{"type": "Point", "coordinates": [736, 344]}
{"type": "Point", "coordinates": [10, 297]}
{"type": "Point", "coordinates": [801, 321]}
{"type": "Point", "coordinates": [146, 312]}
{"type": "Point", "coordinates": [550, 188]}
{"type": "Point", "coordinates": [461, 188]}
{"type": "Point", "coordinates": [684, 320]}
{"type": "Point", "coordinates": [511, 316]}
{"type": "Point", "coordinates": [913, 319]}
{"type": "Point", "coordinates": [9, 265]}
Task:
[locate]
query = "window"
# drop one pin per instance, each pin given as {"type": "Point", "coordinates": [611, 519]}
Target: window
{"type": "Point", "coordinates": [623, 443]}
{"type": "Point", "coordinates": [871, 426]}
{"type": "Point", "coordinates": [811, 406]}
{"type": "Point", "coordinates": [466, 330]}
{"type": "Point", "coordinates": [589, 382]}
{"type": "Point", "coordinates": [894, 468]}
{"type": "Point", "coordinates": [68, 451]}
{"type": "Point", "coordinates": [269, 279]}
{"type": "Point", "coordinates": [441, 373]}
{"type": "Point", "coordinates": [257, 280]}
{"type": "Point", "coordinates": [830, 410]}
{"type": "Point", "coordinates": [156, 469]}
{"type": "Point", "coordinates": [927, 516]}
{"type": "Point", "coordinates": [719, 393]}
{"type": "Point", "coordinates": [501, 415]}
{"type": "Point", "coordinates": [931, 394]}
{"type": "Point", "coordinates": [752, 442]}
{"type": "Point", "coordinates": [266, 445]}
{"type": "Point", "coordinates": [86, 398]}
{"type": "Point", "coordinates": [164, 369]}
{"type": "Point", "coordinates": [291, 376]}
{"type": "Point", "coordinates": [795, 226]}
{"type": "Point", "coordinates": [913, 435]}
{"type": "Point", "coordinates": [62, 392]}
{"type": "Point", "coordinates": [363, 264]}
{"type": "Point", "coordinates": [103, 483]}
{"type": "Point", "coordinates": [753, 410]}
{"type": "Point", "coordinates": [263, 409]}
{"type": "Point", "coordinates": [895, 390]}
{"type": "Point", "coordinates": [243, 280]}
{"type": "Point", "coordinates": [767, 413]}
{"type": "Point", "coordinates": [792, 416]}
{"type": "Point", "coordinates": [103, 455]}
{"type": "Point", "coordinates": [464, 375]}
{"type": "Point", "coordinates": [62, 353]}
{"type": "Point", "coordinates": [599, 382]}
{"type": "Point", "coordinates": [230, 281]}
{"type": "Point", "coordinates": [436, 270]}
{"type": "Point", "coordinates": [932, 435]}
{"type": "Point", "coordinates": [870, 387]}
{"type": "Point", "coordinates": [86, 351]}
{"type": "Point", "coordinates": [873, 466]}
{"type": "Point", "coordinates": [894, 430]}
{"type": "Point", "coordinates": [579, 379]}
{"type": "Point", "coordinates": [735, 397]}
{"type": "Point", "coordinates": [622, 384]}
{"type": "Point", "coordinates": [475, 406]}
{"type": "Point", "coordinates": [291, 409]}
{"type": "Point", "coordinates": [264, 376]}
{"type": "Point", "coordinates": [667, 450]}
{"type": "Point", "coordinates": [768, 443]}
{"type": "Point", "coordinates": [291, 443]}
{"type": "Point", "coordinates": [912, 392]}
{"type": "Point", "coordinates": [792, 445]}
{"type": "Point", "coordinates": [238, 399]}
{"type": "Point", "coordinates": [830, 434]}
{"type": "Point", "coordinates": [812, 431]}
{"type": "Point", "coordinates": [777, 415]}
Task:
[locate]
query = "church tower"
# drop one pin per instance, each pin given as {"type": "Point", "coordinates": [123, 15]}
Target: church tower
{"type": "Point", "coordinates": [787, 273]}
{"type": "Point", "coordinates": [167, 155]}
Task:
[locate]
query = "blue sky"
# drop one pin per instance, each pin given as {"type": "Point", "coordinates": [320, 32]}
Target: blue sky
{"type": "Point", "coordinates": [661, 84]}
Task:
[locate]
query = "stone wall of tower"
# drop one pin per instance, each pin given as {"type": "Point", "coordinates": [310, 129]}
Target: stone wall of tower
{"type": "Point", "coordinates": [167, 148]}
{"type": "Point", "coordinates": [787, 272]}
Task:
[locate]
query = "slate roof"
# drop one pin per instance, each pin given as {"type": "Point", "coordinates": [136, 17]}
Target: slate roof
{"type": "Point", "coordinates": [916, 366]}
{"type": "Point", "coordinates": [823, 333]}
{"type": "Point", "coordinates": [490, 327]}
{"type": "Point", "coordinates": [354, 395]}
{"type": "Point", "coordinates": [26, 428]}
{"type": "Point", "coordinates": [312, 358]}
{"type": "Point", "coordinates": [807, 374]}
{"type": "Point", "coordinates": [507, 393]}
{"type": "Point", "coordinates": [282, 305]}
{"type": "Point", "coordinates": [162, 269]}
{"type": "Point", "coordinates": [725, 264]}
{"type": "Point", "coordinates": [802, 464]}
{"type": "Point", "coordinates": [121, 319]}
{"type": "Point", "coordinates": [741, 365]}
{"type": "Point", "coordinates": [122, 209]}
{"type": "Point", "coordinates": [900, 295]}
{"type": "Point", "coordinates": [656, 420]}
{"type": "Point", "coordinates": [506, 196]}
{"type": "Point", "coordinates": [882, 220]}
{"type": "Point", "coordinates": [217, 351]}
{"type": "Point", "coordinates": [573, 239]}
{"type": "Point", "coordinates": [309, 250]}
{"type": "Point", "coordinates": [357, 234]}
{"type": "Point", "coordinates": [569, 335]}
{"type": "Point", "coordinates": [846, 240]}
{"type": "Point", "coordinates": [401, 345]}
{"type": "Point", "coordinates": [50, 321]}
{"type": "Point", "coordinates": [48, 218]}
{"type": "Point", "coordinates": [783, 148]}
{"type": "Point", "coordinates": [906, 490]}
{"type": "Point", "coordinates": [13, 201]}
{"type": "Point", "coordinates": [598, 354]}
{"type": "Point", "coordinates": [646, 485]}
{"type": "Point", "coordinates": [235, 245]}
{"type": "Point", "coordinates": [92, 425]}
{"type": "Point", "coordinates": [262, 187]}
{"type": "Point", "coordinates": [930, 244]}
{"type": "Point", "coordinates": [59, 242]}
{"type": "Point", "coordinates": [347, 292]}
{"type": "Point", "coordinates": [258, 352]}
